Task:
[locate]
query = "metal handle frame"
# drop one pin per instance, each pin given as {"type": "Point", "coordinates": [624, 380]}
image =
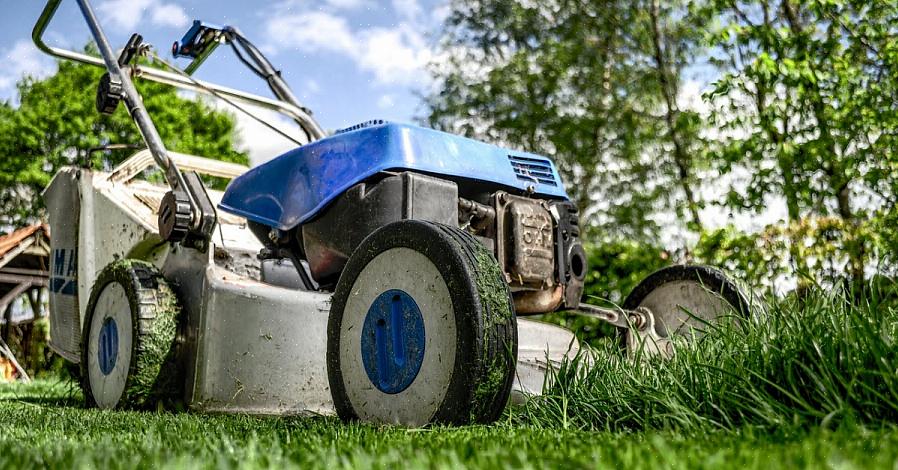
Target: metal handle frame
{"type": "Point", "coordinates": [192, 213]}
{"type": "Point", "coordinates": [121, 75]}
{"type": "Point", "coordinates": [290, 110]}
{"type": "Point", "coordinates": [196, 221]}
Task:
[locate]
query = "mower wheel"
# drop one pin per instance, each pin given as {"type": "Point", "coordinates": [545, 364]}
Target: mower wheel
{"type": "Point", "coordinates": [421, 329]}
{"type": "Point", "coordinates": [687, 299]}
{"type": "Point", "coordinates": [128, 354]}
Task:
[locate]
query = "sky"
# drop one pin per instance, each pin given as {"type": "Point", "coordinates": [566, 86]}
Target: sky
{"type": "Point", "coordinates": [348, 60]}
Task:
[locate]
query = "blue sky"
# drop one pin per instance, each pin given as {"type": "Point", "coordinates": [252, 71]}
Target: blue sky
{"type": "Point", "coordinates": [348, 60]}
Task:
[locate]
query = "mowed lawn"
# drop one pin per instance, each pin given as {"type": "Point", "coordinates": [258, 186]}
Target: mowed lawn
{"type": "Point", "coordinates": [44, 425]}
{"type": "Point", "coordinates": [809, 382]}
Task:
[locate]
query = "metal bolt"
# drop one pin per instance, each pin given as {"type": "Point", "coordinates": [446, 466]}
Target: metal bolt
{"type": "Point", "coordinates": [640, 318]}
{"type": "Point", "coordinates": [274, 235]}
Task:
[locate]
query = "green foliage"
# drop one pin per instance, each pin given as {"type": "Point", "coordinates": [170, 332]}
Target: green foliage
{"type": "Point", "coordinates": [29, 344]}
{"type": "Point", "coordinates": [806, 106]}
{"type": "Point", "coordinates": [616, 266]}
{"type": "Point", "coordinates": [802, 116]}
{"type": "Point", "coordinates": [587, 84]}
{"type": "Point", "coordinates": [55, 124]}
{"type": "Point", "coordinates": [748, 256]}
{"type": "Point", "coordinates": [824, 244]}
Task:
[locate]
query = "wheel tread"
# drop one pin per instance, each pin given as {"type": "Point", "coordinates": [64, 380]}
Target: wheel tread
{"type": "Point", "coordinates": [152, 377]}
{"type": "Point", "coordinates": [484, 372]}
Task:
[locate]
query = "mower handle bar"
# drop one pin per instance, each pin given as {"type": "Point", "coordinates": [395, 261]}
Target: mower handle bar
{"type": "Point", "coordinates": [172, 79]}
{"type": "Point", "coordinates": [129, 94]}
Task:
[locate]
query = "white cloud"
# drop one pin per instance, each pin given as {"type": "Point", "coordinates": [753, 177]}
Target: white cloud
{"type": "Point", "coordinates": [126, 15]}
{"type": "Point", "coordinates": [312, 32]}
{"type": "Point", "coordinates": [439, 14]}
{"type": "Point", "coordinates": [310, 87]}
{"type": "Point", "coordinates": [254, 138]}
{"type": "Point", "coordinates": [386, 101]}
{"type": "Point", "coordinates": [690, 97]}
{"type": "Point", "coordinates": [407, 9]}
{"type": "Point", "coordinates": [169, 15]}
{"type": "Point", "coordinates": [260, 142]}
{"type": "Point", "coordinates": [395, 56]}
{"type": "Point", "coordinates": [347, 4]}
{"type": "Point", "coordinates": [290, 5]}
{"type": "Point", "coordinates": [23, 58]}
{"type": "Point", "coordinates": [123, 14]}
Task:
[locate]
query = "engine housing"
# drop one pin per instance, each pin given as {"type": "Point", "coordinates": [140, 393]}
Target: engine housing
{"type": "Point", "coordinates": [535, 240]}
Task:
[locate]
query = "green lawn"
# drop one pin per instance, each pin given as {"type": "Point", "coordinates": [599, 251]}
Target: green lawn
{"type": "Point", "coordinates": [812, 382]}
{"type": "Point", "coordinates": [43, 424]}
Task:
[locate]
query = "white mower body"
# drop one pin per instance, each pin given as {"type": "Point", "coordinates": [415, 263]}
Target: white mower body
{"type": "Point", "coordinates": [248, 346]}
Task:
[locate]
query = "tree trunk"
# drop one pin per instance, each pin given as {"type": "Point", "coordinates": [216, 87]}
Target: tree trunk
{"type": "Point", "coordinates": [669, 89]}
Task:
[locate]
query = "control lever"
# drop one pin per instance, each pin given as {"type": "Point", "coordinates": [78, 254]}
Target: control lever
{"type": "Point", "coordinates": [134, 46]}
{"type": "Point", "coordinates": [109, 91]}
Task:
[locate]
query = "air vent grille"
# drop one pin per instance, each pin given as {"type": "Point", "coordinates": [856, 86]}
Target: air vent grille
{"type": "Point", "coordinates": [534, 170]}
{"type": "Point", "coordinates": [371, 123]}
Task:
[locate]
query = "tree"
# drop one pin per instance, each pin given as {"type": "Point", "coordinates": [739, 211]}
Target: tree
{"type": "Point", "coordinates": [804, 110]}
{"type": "Point", "coordinates": [56, 124]}
{"type": "Point", "coordinates": [809, 102]}
{"type": "Point", "coordinates": [592, 84]}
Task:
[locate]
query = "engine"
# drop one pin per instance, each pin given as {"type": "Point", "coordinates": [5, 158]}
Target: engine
{"type": "Point", "coordinates": [315, 204]}
{"type": "Point", "coordinates": [535, 240]}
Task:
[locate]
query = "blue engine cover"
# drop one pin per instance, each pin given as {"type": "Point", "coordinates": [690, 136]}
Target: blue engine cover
{"type": "Point", "coordinates": [297, 185]}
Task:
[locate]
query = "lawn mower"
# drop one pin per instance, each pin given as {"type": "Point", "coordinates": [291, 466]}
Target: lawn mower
{"type": "Point", "coordinates": [381, 272]}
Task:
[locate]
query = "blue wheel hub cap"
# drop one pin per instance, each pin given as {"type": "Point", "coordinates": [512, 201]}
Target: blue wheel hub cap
{"type": "Point", "coordinates": [393, 341]}
{"type": "Point", "coordinates": [107, 352]}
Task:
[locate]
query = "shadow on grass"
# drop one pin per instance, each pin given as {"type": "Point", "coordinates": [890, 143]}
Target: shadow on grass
{"type": "Point", "coordinates": [62, 393]}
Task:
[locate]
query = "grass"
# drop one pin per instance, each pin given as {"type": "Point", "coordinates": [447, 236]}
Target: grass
{"type": "Point", "coordinates": [811, 384]}
{"type": "Point", "coordinates": [815, 361]}
{"type": "Point", "coordinates": [44, 426]}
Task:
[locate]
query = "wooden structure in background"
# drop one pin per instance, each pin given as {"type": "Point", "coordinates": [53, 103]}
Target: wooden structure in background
{"type": "Point", "coordinates": [24, 271]}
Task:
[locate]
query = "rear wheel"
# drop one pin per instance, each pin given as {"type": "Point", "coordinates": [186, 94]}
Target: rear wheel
{"type": "Point", "coordinates": [421, 329]}
{"type": "Point", "coordinates": [128, 355]}
{"type": "Point", "coordinates": [687, 299]}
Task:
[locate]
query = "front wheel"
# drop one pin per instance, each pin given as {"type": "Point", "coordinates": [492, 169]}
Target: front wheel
{"type": "Point", "coordinates": [128, 355]}
{"type": "Point", "coordinates": [421, 329]}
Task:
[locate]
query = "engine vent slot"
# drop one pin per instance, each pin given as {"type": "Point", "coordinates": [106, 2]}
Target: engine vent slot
{"type": "Point", "coordinates": [534, 170]}
{"type": "Point", "coordinates": [371, 123]}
